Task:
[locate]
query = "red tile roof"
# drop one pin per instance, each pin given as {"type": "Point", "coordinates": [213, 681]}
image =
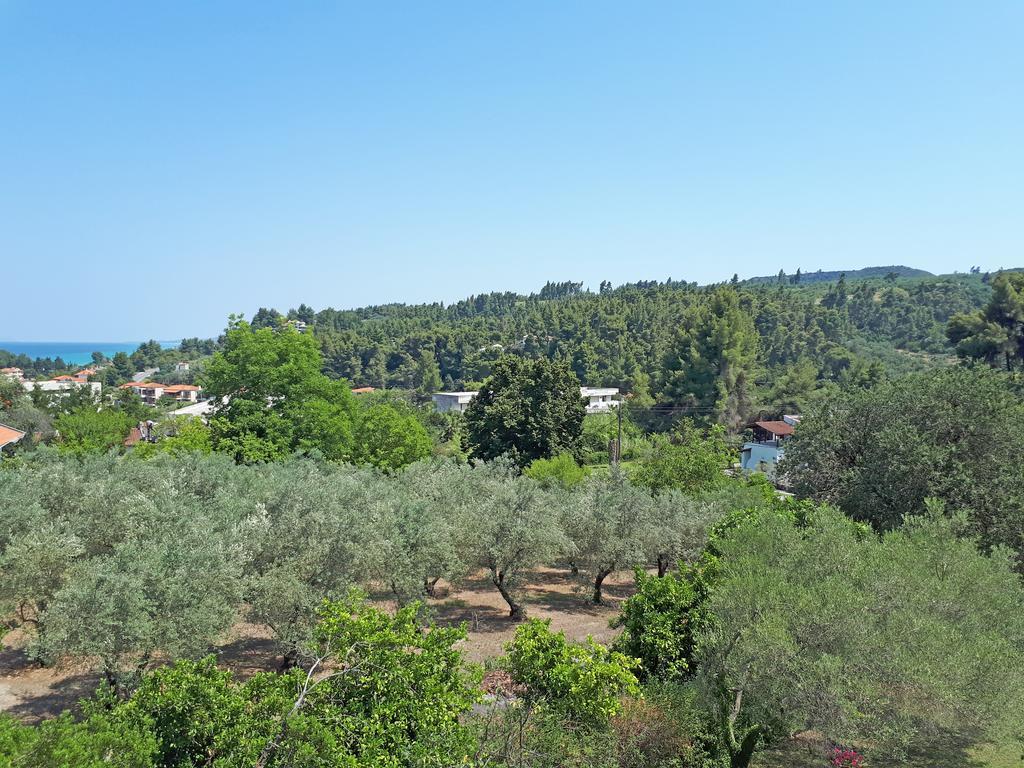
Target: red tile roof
{"type": "Point", "coordinates": [9, 435]}
{"type": "Point", "coordinates": [181, 388]}
{"type": "Point", "coordinates": [363, 390]}
{"type": "Point", "coordinates": [776, 427]}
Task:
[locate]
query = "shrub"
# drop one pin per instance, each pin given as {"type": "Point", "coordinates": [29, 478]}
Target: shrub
{"type": "Point", "coordinates": [659, 623]}
{"type": "Point", "coordinates": [581, 681]}
{"type": "Point", "coordinates": [561, 471]}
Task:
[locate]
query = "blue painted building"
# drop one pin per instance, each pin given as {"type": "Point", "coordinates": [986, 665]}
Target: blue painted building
{"type": "Point", "coordinates": [765, 451]}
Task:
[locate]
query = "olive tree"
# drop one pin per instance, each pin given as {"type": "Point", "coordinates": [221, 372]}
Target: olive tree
{"type": "Point", "coordinates": [680, 522]}
{"type": "Point", "coordinates": [421, 518]}
{"type": "Point", "coordinates": [878, 641]}
{"type": "Point", "coordinates": [173, 596]}
{"type": "Point", "coordinates": [306, 542]}
{"type": "Point", "coordinates": [608, 522]}
{"type": "Point", "coordinates": [513, 529]}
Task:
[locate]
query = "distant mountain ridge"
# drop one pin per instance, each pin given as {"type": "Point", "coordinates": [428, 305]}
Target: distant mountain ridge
{"type": "Point", "coordinates": [821, 276]}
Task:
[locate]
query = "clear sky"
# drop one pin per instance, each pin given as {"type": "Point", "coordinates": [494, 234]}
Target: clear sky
{"type": "Point", "coordinates": [165, 163]}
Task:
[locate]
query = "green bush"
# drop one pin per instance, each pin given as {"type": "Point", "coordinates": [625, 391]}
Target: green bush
{"type": "Point", "coordinates": [581, 681]}
{"type": "Point", "coordinates": [659, 623]}
{"type": "Point", "coordinates": [560, 471]}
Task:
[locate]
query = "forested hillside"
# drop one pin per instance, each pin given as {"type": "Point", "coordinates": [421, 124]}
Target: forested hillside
{"type": "Point", "coordinates": [831, 276]}
{"type": "Point", "coordinates": [666, 342]}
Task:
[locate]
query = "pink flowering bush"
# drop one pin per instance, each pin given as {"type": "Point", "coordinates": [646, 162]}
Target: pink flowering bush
{"type": "Point", "coordinates": [846, 757]}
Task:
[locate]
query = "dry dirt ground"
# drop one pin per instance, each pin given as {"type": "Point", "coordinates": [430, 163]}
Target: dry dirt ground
{"type": "Point", "coordinates": [31, 692]}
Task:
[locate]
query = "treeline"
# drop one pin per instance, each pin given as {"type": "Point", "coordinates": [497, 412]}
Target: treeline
{"type": "Point", "coordinates": [120, 367]}
{"type": "Point", "coordinates": [784, 342]}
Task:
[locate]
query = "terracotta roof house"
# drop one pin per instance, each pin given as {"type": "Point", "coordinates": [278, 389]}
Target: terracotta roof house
{"type": "Point", "coordinates": [773, 430]}
{"type": "Point", "coordinates": [9, 436]}
{"type": "Point", "coordinates": [149, 391]}
{"type": "Point", "coordinates": [184, 392]}
{"type": "Point", "coordinates": [134, 437]}
{"type": "Point", "coordinates": [363, 390]}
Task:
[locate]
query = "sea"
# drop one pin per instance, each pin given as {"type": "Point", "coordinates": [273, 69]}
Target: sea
{"type": "Point", "coordinates": [76, 352]}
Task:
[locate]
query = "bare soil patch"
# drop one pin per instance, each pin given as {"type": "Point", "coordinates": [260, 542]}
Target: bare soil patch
{"type": "Point", "coordinates": [32, 693]}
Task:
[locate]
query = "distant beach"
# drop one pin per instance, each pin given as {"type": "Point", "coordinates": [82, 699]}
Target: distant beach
{"type": "Point", "coordinates": [77, 352]}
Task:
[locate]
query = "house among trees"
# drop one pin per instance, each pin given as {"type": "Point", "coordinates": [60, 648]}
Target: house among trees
{"type": "Point", "coordinates": [186, 393]}
{"type": "Point", "coordinates": [13, 373]}
{"type": "Point", "coordinates": [452, 402]}
{"type": "Point", "coordinates": [200, 410]}
{"type": "Point", "coordinates": [141, 433]}
{"type": "Point", "coordinates": [151, 391]}
{"type": "Point", "coordinates": [9, 436]}
{"type": "Point", "coordinates": [763, 453]}
{"type": "Point", "coordinates": [63, 384]}
{"type": "Point", "coordinates": [600, 399]}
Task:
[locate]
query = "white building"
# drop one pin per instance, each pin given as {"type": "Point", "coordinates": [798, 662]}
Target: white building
{"type": "Point", "coordinates": [448, 402]}
{"type": "Point", "coordinates": [600, 399]}
{"type": "Point", "coordinates": [63, 385]}
{"type": "Point", "coordinates": [149, 391]}
{"type": "Point", "coordinates": [200, 410]}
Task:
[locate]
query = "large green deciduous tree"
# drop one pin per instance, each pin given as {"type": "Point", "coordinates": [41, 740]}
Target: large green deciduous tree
{"type": "Point", "coordinates": [272, 398]}
{"type": "Point", "coordinates": [686, 461]}
{"type": "Point", "coordinates": [89, 429]}
{"type": "Point", "coordinates": [526, 410]}
{"type": "Point", "coordinates": [954, 434]}
{"type": "Point", "coordinates": [390, 437]}
{"type": "Point", "coordinates": [378, 690]}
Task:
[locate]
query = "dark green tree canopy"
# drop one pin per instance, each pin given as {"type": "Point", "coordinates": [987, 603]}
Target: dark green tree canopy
{"type": "Point", "coordinates": [995, 333]}
{"type": "Point", "coordinates": [527, 410]}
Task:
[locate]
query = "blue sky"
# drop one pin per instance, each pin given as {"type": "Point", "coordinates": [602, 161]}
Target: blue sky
{"type": "Point", "coordinates": [165, 163]}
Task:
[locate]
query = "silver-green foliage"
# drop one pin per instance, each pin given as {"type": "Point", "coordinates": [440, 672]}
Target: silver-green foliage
{"type": "Point", "coordinates": [882, 641]}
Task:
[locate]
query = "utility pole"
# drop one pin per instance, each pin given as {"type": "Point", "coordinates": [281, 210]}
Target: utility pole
{"type": "Point", "coordinates": [618, 441]}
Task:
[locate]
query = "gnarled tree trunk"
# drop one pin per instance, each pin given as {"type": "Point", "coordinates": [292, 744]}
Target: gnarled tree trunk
{"type": "Point", "coordinates": [663, 564]}
{"type": "Point", "coordinates": [516, 610]}
{"type": "Point", "coordinates": [602, 574]}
